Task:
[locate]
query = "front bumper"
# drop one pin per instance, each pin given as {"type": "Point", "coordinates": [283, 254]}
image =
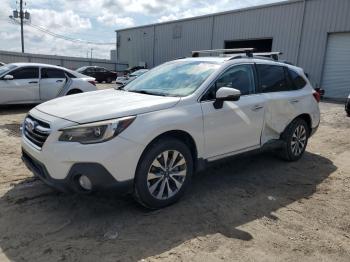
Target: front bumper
{"type": "Point", "coordinates": [100, 178]}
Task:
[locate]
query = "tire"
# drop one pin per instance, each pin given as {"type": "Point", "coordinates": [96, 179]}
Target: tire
{"type": "Point", "coordinates": [296, 137]}
{"type": "Point", "coordinates": [153, 179]}
{"type": "Point", "coordinates": [109, 80]}
{"type": "Point", "coordinates": [99, 81]}
{"type": "Point", "coordinates": [73, 92]}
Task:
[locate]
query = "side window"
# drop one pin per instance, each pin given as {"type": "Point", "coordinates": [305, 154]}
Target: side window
{"type": "Point", "coordinates": [52, 73]}
{"type": "Point", "coordinates": [272, 78]}
{"type": "Point", "coordinates": [240, 77]}
{"type": "Point", "coordinates": [102, 70]}
{"type": "Point", "coordinates": [90, 70]}
{"type": "Point", "coordinates": [26, 73]}
{"type": "Point", "coordinates": [298, 81]}
{"type": "Point", "coordinates": [70, 74]}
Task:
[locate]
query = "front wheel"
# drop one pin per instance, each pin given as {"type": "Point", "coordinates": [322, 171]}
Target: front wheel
{"type": "Point", "coordinates": [164, 172]}
{"type": "Point", "coordinates": [296, 138]}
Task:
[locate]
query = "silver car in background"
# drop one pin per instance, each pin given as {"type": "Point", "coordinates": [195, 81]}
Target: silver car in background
{"type": "Point", "coordinates": [32, 83]}
{"type": "Point", "coordinates": [123, 80]}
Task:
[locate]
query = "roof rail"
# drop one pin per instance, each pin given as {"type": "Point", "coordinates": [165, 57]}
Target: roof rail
{"type": "Point", "coordinates": [273, 55]}
{"type": "Point", "coordinates": [247, 51]}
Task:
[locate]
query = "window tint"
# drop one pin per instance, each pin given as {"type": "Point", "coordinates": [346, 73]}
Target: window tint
{"type": "Point", "coordinates": [26, 73]}
{"type": "Point", "coordinates": [52, 73]}
{"type": "Point", "coordinates": [272, 78]}
{"type": "Point", "coordinates": [240, 77]}
{"type": "Point", "coordinates": [298, 81]}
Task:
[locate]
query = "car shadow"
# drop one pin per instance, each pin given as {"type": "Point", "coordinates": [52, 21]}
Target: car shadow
{"type": "Point", "coordinates": [15, 109]}
{"type": "Point", "coordinates": [39, 224]}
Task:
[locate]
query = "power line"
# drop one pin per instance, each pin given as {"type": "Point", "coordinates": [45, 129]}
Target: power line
{"type": "Point", "coordinates": [71, 39]}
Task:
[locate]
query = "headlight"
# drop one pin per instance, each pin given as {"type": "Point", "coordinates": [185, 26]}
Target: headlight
{"type": "Point", "coordinates": [96, 132]}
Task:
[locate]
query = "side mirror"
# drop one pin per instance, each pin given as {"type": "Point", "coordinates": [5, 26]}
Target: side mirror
{"type": "Point", "coordinates": [8, 77]}
{"type": "Point", "coordinates": [226, 94]}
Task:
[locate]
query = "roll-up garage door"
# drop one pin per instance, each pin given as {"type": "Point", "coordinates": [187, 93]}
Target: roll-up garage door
{"type": "Point", "coordinates": [336, 72]}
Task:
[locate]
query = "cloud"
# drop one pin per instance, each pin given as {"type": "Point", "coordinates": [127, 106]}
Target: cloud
{"type": "Point", "coordinates": [114, 20]}
{"type": "Point", "coordinates": [60, 21]}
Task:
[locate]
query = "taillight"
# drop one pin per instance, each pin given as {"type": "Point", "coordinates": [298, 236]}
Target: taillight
{"type": "Point", "coordinates": [92, 82]}
{"type": "Point", "coordinates": [317, 96]}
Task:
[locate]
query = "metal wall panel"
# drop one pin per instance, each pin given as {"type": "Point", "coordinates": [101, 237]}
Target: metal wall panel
{"type": "Point", "coordinates": [336, 75]}
{"type": "Point", "coordinates": [136, 46]}
{"type": "Point", "coordinates": [281, 22]}
{"type": "Point", "coordinates": [195, 35]}
{"type": "Point", "coordinates": [321, 18]}
{"type": "Point", "coordinates": [65, 61]}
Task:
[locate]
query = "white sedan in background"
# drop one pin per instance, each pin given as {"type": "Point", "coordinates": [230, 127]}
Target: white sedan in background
{"type": "Point", "coordinates": [31, 83]}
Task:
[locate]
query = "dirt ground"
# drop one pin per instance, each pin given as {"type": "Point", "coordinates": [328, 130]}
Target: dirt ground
{"type": "Point", "coordinates": [252, 208]}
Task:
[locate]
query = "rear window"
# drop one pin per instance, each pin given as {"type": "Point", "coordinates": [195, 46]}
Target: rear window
{"type": "Point", "coordinates": [297, 80]}
{"type": "Point", "coordinates": [52, 73]}
{"type": "Point", "coordinates": [272, 78]}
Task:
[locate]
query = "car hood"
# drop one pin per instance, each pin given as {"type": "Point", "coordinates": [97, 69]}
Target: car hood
{"type": "Point", "coordinates": [105, 104]}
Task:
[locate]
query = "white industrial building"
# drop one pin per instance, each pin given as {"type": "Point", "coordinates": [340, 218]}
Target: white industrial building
{"type": "Point", "coordinates": [313, 34]}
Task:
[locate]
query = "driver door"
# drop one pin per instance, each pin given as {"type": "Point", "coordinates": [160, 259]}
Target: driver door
{"type": "Point", "coordinates": [237, 125]}
{"type": "Point", "coordinates": [23, 88]}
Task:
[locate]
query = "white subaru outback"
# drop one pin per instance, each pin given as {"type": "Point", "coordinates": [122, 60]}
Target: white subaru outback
{"type": "Point", "coordinates": [151, 136]}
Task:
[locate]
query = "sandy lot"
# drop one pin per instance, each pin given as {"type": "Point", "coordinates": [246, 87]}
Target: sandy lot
{"type": "Point", "coordinates": [253, 208]}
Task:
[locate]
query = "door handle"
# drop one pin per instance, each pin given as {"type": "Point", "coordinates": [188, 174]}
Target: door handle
{"type": "Point", "coordinates": [294, 101]}
{"type": "Point", "coordinates": [59, 81]}
{"type": "Point", "coordinates": [257, 107]}
{"type": "Point", "coordinates": [33, 82]}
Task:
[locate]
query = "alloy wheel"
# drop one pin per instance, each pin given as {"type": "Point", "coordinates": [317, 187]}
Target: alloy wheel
{"type": "Point", "coordinates": [166, 174]}
{"type": "Point", "coordinates": [298, 142]}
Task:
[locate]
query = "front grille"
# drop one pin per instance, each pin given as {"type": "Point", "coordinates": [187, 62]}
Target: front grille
{"type": "Point", "coordinates": [36, 131]}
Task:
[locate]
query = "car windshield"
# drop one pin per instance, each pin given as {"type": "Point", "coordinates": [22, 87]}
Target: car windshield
{"type": "Point", "coordinates": [6, 68]}
{"type": "Point", "coordinates": [179, 78]}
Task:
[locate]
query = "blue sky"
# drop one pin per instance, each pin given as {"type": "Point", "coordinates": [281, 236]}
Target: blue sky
{"type": "Point", "coordinates": [96, 21]}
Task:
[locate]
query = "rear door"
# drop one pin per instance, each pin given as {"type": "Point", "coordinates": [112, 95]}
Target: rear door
{"type": "Point", "coordinates": [51, 83]}
{"type": "Point", "coordinates": [237, 125]}
{"type": "Point", "coordinates": [284, 99]}
{"type": "Point", "coordinates": [24, 88]}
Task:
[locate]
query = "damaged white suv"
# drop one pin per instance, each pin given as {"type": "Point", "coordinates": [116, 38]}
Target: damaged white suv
{"type": "Point", "coordinates": [151, 136]}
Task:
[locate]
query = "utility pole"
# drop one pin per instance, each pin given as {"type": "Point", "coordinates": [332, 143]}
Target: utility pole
{"type": "Point", "coordinates": [21, 14]}
{"type": "Point", "coordinates": [91, 53]}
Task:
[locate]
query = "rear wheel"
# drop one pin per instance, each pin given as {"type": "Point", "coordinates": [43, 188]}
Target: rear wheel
{"type": "Point", "coordinates": [163, 174]}
{"type": "Point", "coordinates": [109, 80]}
{"type": "Point", "coordinates": [296, 138]}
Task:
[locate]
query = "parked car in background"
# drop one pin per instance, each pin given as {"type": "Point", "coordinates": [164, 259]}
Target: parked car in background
{"type": "Point", "coordinates": [132, 69]}
{"type": "Point", "coordinates": [1, 63]}
{"type": "Point", "coordinates": [347, 106]}
{"type": "Point", "coordinates": [26, 83]}
{"type": "Point", "coordinates": [123, 80]}
{"type": "Point", "coordinates": [151, 136]}
{"type": "Point", "coordinates": [101, 74]}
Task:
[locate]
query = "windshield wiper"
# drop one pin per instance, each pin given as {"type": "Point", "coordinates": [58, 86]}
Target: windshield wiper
{"type": "Point", "coordinates": [119, 87]}
{"type": "Point", "coordinates": [146, 92]}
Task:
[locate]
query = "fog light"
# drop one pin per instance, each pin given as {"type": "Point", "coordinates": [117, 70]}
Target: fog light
{"type": "Point", "coordinates": [85, 182]}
